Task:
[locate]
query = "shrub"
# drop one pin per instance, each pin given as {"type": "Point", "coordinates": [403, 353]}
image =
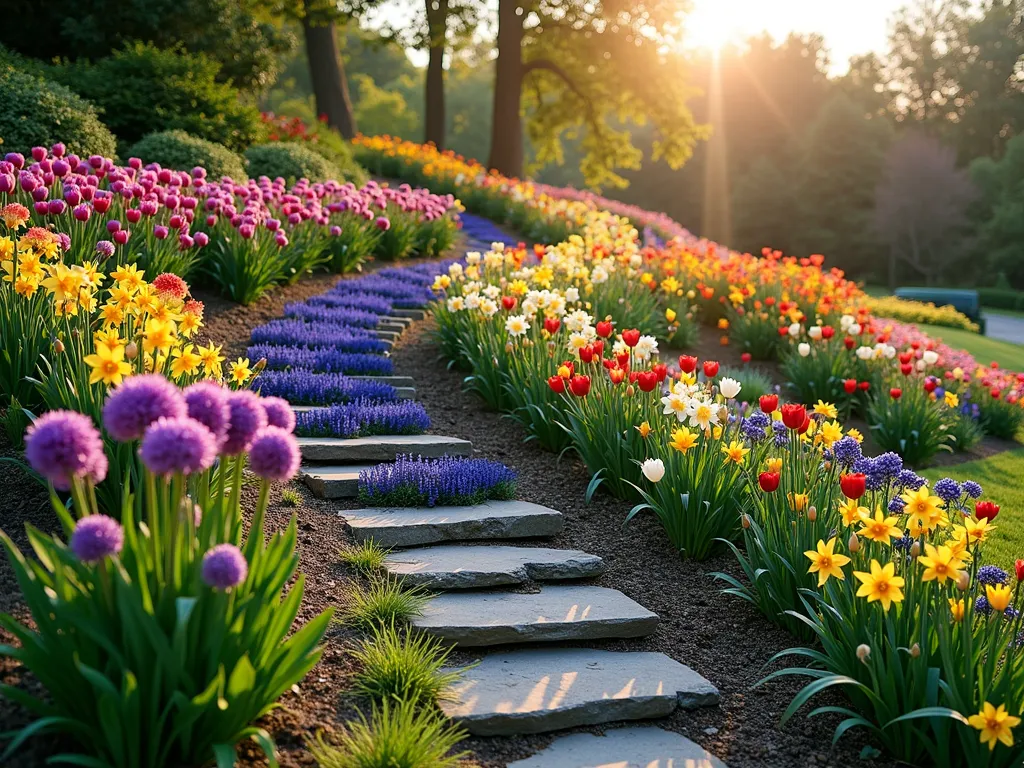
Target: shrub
{"type": "Point", "coordinates": [383, 601]}
{"type": "Point", "coordinates": [37, 112]}
{"type": "Point", "coordinates": [398, 735]}
{"type": "Point", "coordinates": [909, 311]}
{"type": "Point", "coordinates": [142, 88]}
{"type": "Point", "coordinates": [1001, 298]}
{"type": "Point", "coordinates": [180, 151]}
{"type": "Point", "coordinates": [402, 665]}
{"type": "Point", "coordinates": [290, 161]}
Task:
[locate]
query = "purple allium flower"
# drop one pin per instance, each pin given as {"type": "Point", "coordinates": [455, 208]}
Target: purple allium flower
{"type": "Point", "coordinates": [105, 248]}
{"type": "Point", "coordinates": [247, 418]}
{"type": "Point", "coordinates": [972, 489]}
{"type": "Point", "coordinates": [992, 575]}
{"type": "Point", "coordinates": [178, 445]}
{"type": "Point", "coordinates": [138, 402]}
{"type": "Point", "coordinates": [63, 445]}
{"type": "Point", "coordinates": [96, 537]}
{"type": "Point", "coordinates": [207, 403]}
{"type": "Point", "coordinates": [279, 413]}
{"type": "Point", "coordinates": [224, 567]}
{"type": "Point", "coordinates": [888, 465]}
{"type": "Point", "coordinates": [274, 454]}
{"type": "Point", "coordinates": [947, 489]}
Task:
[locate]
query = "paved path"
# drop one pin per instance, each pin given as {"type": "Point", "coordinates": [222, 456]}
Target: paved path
{"type": "Point", "coordinates": [1004, 327]}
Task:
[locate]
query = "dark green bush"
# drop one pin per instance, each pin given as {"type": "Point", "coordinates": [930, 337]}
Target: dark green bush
{"type": "Point", "coordinates": [37, 112]}
{"type": "Point", "coordinates": [290, 161]}
{"type": "Point", "coordinates": [337, 151]}
{"type": "Point", "coordinates": [142, 89]}
{"type": "Point", "coordinates": [1001, 298]}
{"type": "Point", "coordinates": [178, 150]}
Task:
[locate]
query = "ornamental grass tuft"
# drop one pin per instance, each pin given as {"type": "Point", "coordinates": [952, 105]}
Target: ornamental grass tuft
{"type": "Point", "coordinates": [383, 600]}
{"type": "Point", "coordinates": [366, 557]}
{"type": "Point", "coordinates": [400, 665]}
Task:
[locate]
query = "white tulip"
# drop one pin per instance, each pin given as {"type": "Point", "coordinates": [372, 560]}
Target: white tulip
{"type": "Point", "coordinates": [846, 321]}
{"type": "Point", "coordinates": [653, 469]}
{"type": "Point", "coordinates": [814, 331]}
{"type": "Point", "coordinates": [794, 330]}
{"type": "Point", "coordinates": [930, 357]}
{"type": "Point", "coordinates": [729, 388]}
{"type": "Point", "coordinates": [804, 349]}
{"type": "Point", "coordinates": [865, 353]}
{"type": "Point", "coordinates": [889, 352]}
{"type": "Point", "coordinates": [855, 329]}
{"type": "Point", "coordinates": [920, 365]}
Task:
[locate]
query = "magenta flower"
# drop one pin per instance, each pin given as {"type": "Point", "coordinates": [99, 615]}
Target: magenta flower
{"type": "Point", "coordinates": [138, 402]}
{"type": "Point", "coordinates": [64, 445]}
{"type": "Point", "coordinates": [178, 445]}
{"type": "Point", "coordinates": [224, 567]}
{"type": "Point", "coordinates": [274, 455]}
{"type": "Point", "coordinates": [247, 418]}
{"type": "Point", "coordinates": [96, 537]}
{"type": "Point", "coordinates": [208, 404]}
{"type": "Point", "coordinates": [279, 413]}
{"type": "Point", "coordinates": [105, 248]}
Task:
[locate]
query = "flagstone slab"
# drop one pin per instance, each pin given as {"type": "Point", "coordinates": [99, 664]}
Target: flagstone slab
{"type": "Point", "coordinates": [468, 567]}
{"type": "Point", "coordinates": [394, 319]}
{"type": "Point", "coordinates": [411, 314]}
{"type": "Point", "coordinates": [334, 482]}
{"type": "Point", "coordinates": [474, 619]}
{"type": "Point", "coordinates": [630, 747]}
{"type": "Point", "coordinates": [416, 526]}
{"type": "Point", "coordinates": [541, 690]}
{"type": "Point", "coordinates": [380, 447]}
{"type": "Point", "coordinates": [395, 381]}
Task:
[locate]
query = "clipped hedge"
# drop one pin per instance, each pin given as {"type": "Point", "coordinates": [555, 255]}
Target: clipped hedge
{"type": "Point", "coordinates": [290, 161]}
{"type": "Point", "coordinates": [178, 150]}
{"type": "Point", "coordinates": [38, 112]}
{"type": "Point", "coordinates": [142, 89]}
{"type": "Point", "coordinates": [1001, 298]}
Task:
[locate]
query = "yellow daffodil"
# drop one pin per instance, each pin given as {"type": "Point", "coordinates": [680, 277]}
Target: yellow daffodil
{"type": "Point", "coordinates": [940, 564]}
{"type": "Point", "coordinates": [852, 513]}
{"type": "Point", "coordinates": [956, 610]}
{"type": "Point", "coordinates": [951, 399]}
{"type": "Point", "coordinates": [239, 371]}
{"type": "Point", "coordinates": [829, 433]}
{"type": "Point", "coordinates": [158, 335]}
{"type": "Point", "coordinates": [112, 314]}
{"type": "Point", "coordinates": [129, 277]}
{"type": "Point", "coordinates": [185, 361]}
{"type": "Point", "coordinates": [212, 358]}
{"type": "Point", "coordinates": [977, 530]}
{"type": "Point", "coordinates": [880, 584]}
{"type": "Point", "coordinates": [735, 452]}
{"type": "Point", "coordinates": [995, 725]}
{"type": "Point", "coordinates": [683, 440]}
{"type": "Point", "coordinates": [855, 434]}
{"type": "Point", "coordinates": [108, 365]}
{"type": "Point", "coordinates": [825, 562]}
{"type": "Point", "coordinates": [880, 528]}
{"type": "Point", "coordinates": [828, 410]}
{"type": "Point", "coordinates": [644, 429]}
{"type": "Point", "coordinates": [923, 508]}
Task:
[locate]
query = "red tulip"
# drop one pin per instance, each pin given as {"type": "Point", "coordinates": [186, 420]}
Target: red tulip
{"type": "Point", "coordinates": [827, 332]}
{"type": "Point", "coordinates": [793, 415]}
{"type": "Point", "coordinates": [509, 302]}
{"type": "Point", "coordinates": [617, 375]}
{"type": "Point", "coordinates": [995, 392]}
{"type": "Point", "coordinates": [586, 354]}
{"type": "Point", "coordinates": [769, 481]}
{"type": "Point", "coordinates": [930, 384]}
{"type": "Point", "coordinates": [769, 403]}
{"type": "Point", "coordinates": [864, 386]}
{"type": "Point", "coordinates": [630, 337]}
{"type": "Point", "coordinates": [579, 385]}
{"type": "Point", "coordinates": [598, 348]}
{"type": "Point", "coordinates": [647, 381]}
{"type": "Point", "coordinates": [604, 329]}
{"type": "Point", "coordinates": [849, 341]}
{"type": "Point", "coordinates": [784, 331]}
{"type": "Point", "coordinates": [853, 485]}
{"type": "Point", "coordinates": [557, 384]}
{"type": "Point", "coordinates": [986, 510]}
{"type": "Point", "coordinates": [1018, 568]}
{"type": "Point", "coordinates": [609, 364]}
{"type": "Point", "coordinates": [687, 363]}
{"type": "Point", "coordinates": [805, 426]}
{"type": "Point", "coordinates": [746, 357]}
{"type": "Point", "coordinates": [895, 393]}
{"type": "Point", "coordinates": [905, 357]}
{"type": "Point", "coordinates": [906, 369]}
{"type": "Point", "coordinates": [710, 368]}
{"type": "Point", "coordinates": [623, 359]}
{"type": "Point", "coordinates": [661, 370]}
{"type": "Point", "coordinates": [552, 324]}
{"type": "Point", "coordinates": [850, 385]}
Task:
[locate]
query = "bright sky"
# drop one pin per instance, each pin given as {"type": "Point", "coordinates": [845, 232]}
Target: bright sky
{"type": "Point", "coordinates": [848, 29]}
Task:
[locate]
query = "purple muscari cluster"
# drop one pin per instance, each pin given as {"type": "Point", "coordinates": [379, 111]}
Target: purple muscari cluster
{"type": "Point", "coordinates": [317, 335]}
{"type": "Point", "coordinates": [754, 425]}
{"type": "Point", "coordinates": [947, 489]}
{"type": "Point", "coordinates": [329, 360]}
{"type": "Point", "coordinates": [138, 402]}
{"type": "Point", "coordinates": [904, 543]}
{"type": "Point", "coordinates": [363, 418]}
{"type": "Point", "coordinates": [274, 454]}
{"type": "Point", "coordinates": [907, 478]}
{"type": "Point", "coordinates": [896, 505]}
{"type": "Point", "coordinates": [179, 444]}
{"type": "Point", "coordinates": [415, 482]}
{"type": "Point", "coordinates": [354, 318]}
{"type": "Point", "coordinates": [63, 446]}
{"type": "Point", "coordinates": [400, 291]}
{"type": "Point", "coordinates": [781, 433]}
{"type": "Point", "coordinates": [224, 567]}
{"type": "Point", "coordinates": [96, 537]}
{"type": "Point", "coordinates": [881, 470]}
{"type": "Point", "coordinates": [992, 575]}
{"type": "Point", "coordinates": [972, 489]}
{"type": "Point", "coordinates": [364, 302]}
{"type": "Point", "coordinates": [308, 388]}
{"type": "Point", "coordinates": [847, 451]}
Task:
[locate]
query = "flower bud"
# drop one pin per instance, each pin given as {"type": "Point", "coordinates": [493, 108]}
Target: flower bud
{"type": "Point", "coordinates": [963, 582]}
{"type": "Point", "coordinates": [58, 346]}
{"type": "Point", "coordinates": [260, 365]}
{"type": "Point", "coordinates": [915, 651]}
{"type": "Point", "coordinates": [131, 350]}
{"type": "Point", "coordinates": [630, 391]}
{"type": "Point", "coordinates": [853, 545]}
{"type": "Point", "coordinates": [812, 513]}
{"type": "Point", "coordinates": [745, 521]}
{"type": "Point", "coordinates": [863, 651]}
{"type": "Point", "coordinates": [915, 549]}
{"type": "Point", "coordinates": [508, 347]}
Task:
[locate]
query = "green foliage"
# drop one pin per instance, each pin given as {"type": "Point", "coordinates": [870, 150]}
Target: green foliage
{"type": "Point", "coordinates": [244, 269]}
{"type": "Point", "coordinates": [383, 600]}
{"type": "Point", "coordinates": [367, 556]}
{"type": "Point", "coordinates": [1001, 298]}
{"type": "Point", "coordinates": [401, 665]}
{"type": "Point", "coordinates": [1000, 220]}
{"type": "Point", "coordinates": [914, 425]}
{"type": "Point", "coordinates": [290, 498]}
{"type": "Point", "coordinates": [332, 147]}
{"type": "Point", "coordinates": [37, 112]}
{"type": "Point", "coordinates": [398, 735]}
{"type": "Point", "coordinates": [818, 375]}
{"type": "Point", "coordinates": [753, 383]}
{"type": "Point", "coordinates": [290, 161]}
{"type": "Point", "coordinates": [179, 150]}
{"type": "Point", "coordinates": [142, 89]}
{"type": "Point", "coordinates": [382, 111]}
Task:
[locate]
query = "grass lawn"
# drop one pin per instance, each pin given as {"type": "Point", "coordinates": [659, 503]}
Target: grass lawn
{"type": "Point", "coordinates": [984, 349]}
{"type": "Point", "coordinates": [1000, 477]}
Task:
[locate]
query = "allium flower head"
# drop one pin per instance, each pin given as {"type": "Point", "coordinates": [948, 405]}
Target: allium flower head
{"type": "Point", "coordinates": [96, 537]}
{"type": "Point", "coordinates": [247, 418]}
{"type": "Point", "coordinates": [63, 445]}
{"type": "Point", "coordinates": [138, 402]}
{"type": "Point", "coordinates": [180, 444]}
{"type": "Point", "coordinates": [274, 454]}
{"type": "Point", "coordinates": [105, 248]}
{"type": "Point", "coordinates": [207, 403]}
{"type": "Point", "coordinates": [224, 567]}
{"type": "Point", "coordinates": [279, 413]}
{"type": "Point", "coordinates": [169, 284]}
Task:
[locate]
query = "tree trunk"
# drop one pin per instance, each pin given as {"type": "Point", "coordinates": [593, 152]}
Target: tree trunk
{"type": "Point", "coordinates": [437, 23]}
{"type": "Point", "coordinates": [326, 70]}
{"type": "Point", "coordinates": [506, 126]}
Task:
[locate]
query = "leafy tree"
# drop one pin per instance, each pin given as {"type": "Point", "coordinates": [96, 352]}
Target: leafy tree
{"type": "Point", "coordinates": [766, 210]}
{"type": "Point", "coordinates": [1000, 213]}
{"type": "Point", "coordinates": [921, 208]}
{"type": "Point", "coordinates": [383, 111]}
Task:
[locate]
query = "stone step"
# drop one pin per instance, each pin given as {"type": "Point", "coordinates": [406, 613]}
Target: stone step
{"type": "Point", "coordinates": [416, 526]}
{"type": "Point", "coordinates": [629, 747]}
{"type": "Point", "coordinates": [333, 482]}
{"type": "Point", "coordinates": [474, 619]}
{"type": "Point", "coordinates": [406, 382]}
{"type": "Point", "coordinates": [411, 314]}
{"type": "Point", "coordinates": [391, 327]}
{"type": "Point", "coordinates": [387, 335]}
{"type": "Point", "coordinates": [342, 450]}
{"type": "Point", "coordinates": [540, 690]}
{"type": "Point", "coordinates": [455, 567]}
{"type": "Point", "coordinates": [405, 322]}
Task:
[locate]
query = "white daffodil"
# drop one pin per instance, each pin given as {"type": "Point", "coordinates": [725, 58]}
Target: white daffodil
{"type": "Point", "coordinates": [598, 275]}
{"type": "Point", "coordinates": [456, 304]}
{"type": "Point", "coordinates": [676, 404]}
{"type": "Point", "coordinates": [572, 294]}
{"type": "Point", "coordinates": [865, 353]}
{"type": "Point", "coordinates": [702, 414]}
{"type": "Point", "coordinates": [578, 320]}
{"type": "Point", "coordinates": [473, 258]}
{"type": "Point", "coordinates": [488, 307]}
{"type": "Point", "coordinates": [854, 330]}
{"type": "Point", "coordinates": [517, 325]}
{"type": "Point", "coordinates": [647, 346]}
{"type": "Point", "coordinates": [473, 301]}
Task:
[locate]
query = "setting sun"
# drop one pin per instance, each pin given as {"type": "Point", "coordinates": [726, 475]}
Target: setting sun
{"type": "Point", "coordinates": [712, 25]}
